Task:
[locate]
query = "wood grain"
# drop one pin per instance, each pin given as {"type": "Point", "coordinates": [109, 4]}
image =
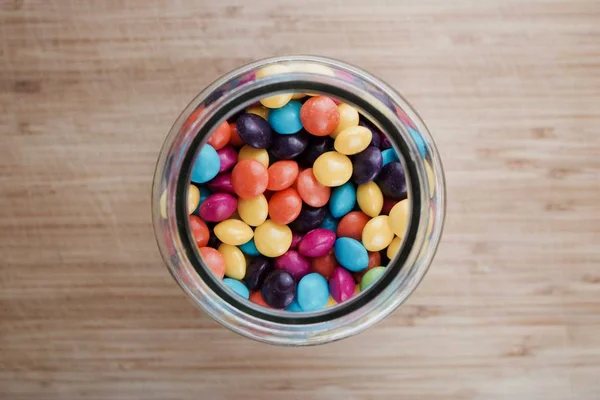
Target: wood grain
{"type": "Point", "coordinates": [510, 308]}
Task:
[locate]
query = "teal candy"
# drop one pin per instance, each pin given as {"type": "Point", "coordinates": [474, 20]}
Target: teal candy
{"type": "Point", "coordinates": [313, 292]}
{"type": "Point", "coordinates": [294, 307]}
{"type": "Point", "coordinates": [351, 254]}
{"type": "Point", "coordinates": [342, 200]}
{"type": "Point", "coordinates": [206, 166]}
{"type": "Point", "coordinates": [237, 287]}
{"type": "Point", "coordinates": [420, 142]}
{"type": "Point", "coordinates": [389, 155]}
{"type": "Point", "coordinates": [286, 120]}
{"type": "Point", "coordinates": [249, 248]}
{"type": "Point", "coordinates": [329, 223]}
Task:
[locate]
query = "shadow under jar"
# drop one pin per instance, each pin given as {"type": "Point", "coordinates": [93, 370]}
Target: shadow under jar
{"type": "Point", "coordinates": [378, 104]}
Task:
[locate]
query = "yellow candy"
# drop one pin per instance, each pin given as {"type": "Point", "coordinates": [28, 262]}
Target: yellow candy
{"type": "Point", "coordinates": [394, 247]}
{"type": "Point", "coordinates": [233, 232]}
{"type": "Point", "coordinates": [297, 96]}
{"type": "Point", "coordinates": [353, 140]}
{"type": "Point", "coordinates": [369, 198]}
{"type": "Point", "coordinates": [356, 289]}
{"type": "Point", "coordinates": [348, 118]}
{"type": "Point", "coordinates": [260, 111]}
{"type": "Point", "coordinates": [330, 303]}
{"type": "Point", "coordinates": [332, 169]}
{"type": "Point", "coordinates": [163, 204]}
{"type": "Point", "coordinates": [193, 198]}
{"type": "Point", "coordinates": [400, 217]}
{"type": "Point", "coordinates": [430, 180]}
{"type": "Point", "coordinates": [271, 239]}
{"type": "Point", "coordinates": [250, 153]}
{"type": "Point", "coordinates": [235, 262]}
{"type": "Point", "coordinates": [253, 211]}
{"type": "Point", "coordinates": [377, 234]}
{"type": "Point", "coordinates": [278, 100]}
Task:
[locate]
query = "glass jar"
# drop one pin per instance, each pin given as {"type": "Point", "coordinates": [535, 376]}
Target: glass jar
{"type": "Point", "coordinates": [375, 100]}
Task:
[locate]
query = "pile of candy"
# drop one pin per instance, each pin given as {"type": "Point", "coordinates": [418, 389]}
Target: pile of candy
{"type": "Point", "coordinates": [298, 202]}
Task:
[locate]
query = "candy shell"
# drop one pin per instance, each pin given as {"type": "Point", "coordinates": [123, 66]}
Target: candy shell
{"type": "Point", "coordinates": [348, 117]}
{"type": "Point", "coordinates": [253, 211]}
{"type": "Point", "coordinates": [254, 131]}
{"type": "Point", "coordinates": [235, 139]}
{"type": "Point", "coordinates": [227, 158]}
{"type": "Point", "coordinates": [214, 260]}
{"type": "Point", "coordinates": [278, 289]}
{"type": "Point", "coordinates": [218, 207]}
{"type": "Point", "coordinates": [316, 243]}
{"type": "Point", "coordinates": [233, 232]}
{"type": "Point", "coordinates": [221, 183]}
{"type": "Point", "coordinates": [332, 169]}
{"type": "Point", "coordinates": [330, 223]}
{"type": "Point", "coordinates": [278, 100]}
{"type": "Point", "coordinates": [250, 153]}
{"type": "Point", "coordinates": [257, 271]}
{"type": "Point", "coordinates": [237, 286]}
{"type": "Point", "coordinates": [272, 239]}
{"type": "Point", "coordinates": [392, 181]}
{"type": "Point", "coordinates": [257, 298]}
{"type": "Point", "coordinates": [352, 140]}
{"type": "Point", "coordinates": [193, 199]}
{"type": "Point", "coordinates": [394, 248]}
{"type": "Point", "coordinates": [294, 307]}
{"type": "Point", "coordinates": [311, 190]}
{"type": "Point", "coordinates": [374, 261]}
{"type": "Point", "coordinates": [343, 200]}
{"type": "Point", "coordinates": [370, 199]}
{"type": "Point", "coordinates": [199, 231]}
{"type": "Point", "coordinates": [320, 116]}
{"type": "Point", "coordinates": [352, 224]}
{"type": "Point", "coordinates": [286, 147]}
{"type": "Point", "coordinates": [220, 136]}
{"type": "Point", "coordinates": [296, 238]}
{"type": "Point", "coordinates": [294, 263]}
{"type": "Point", "coordinates": [324, 265]}
{"type": "Point", "coordinates": [400, 217]}
{"type": "Point", "coordinates": [366, 165]}
{"type": "Point", "coordinates": [249, 248]}
{"type": "Point", "coordinates": [249, 178]}
{"type": "Point", "coordinates": [286, 120]}
{"type": "Point", "coordinates": [206, 165]}
{"type": "Point", "coordinates": [351, 254]}
{"type": "Point", "coordinates": [377, 234]}
{"type": "Point", "coordinates": [389, 155]}
{"type": "Point", "coordinates": [235, 262]}
{"type": "Point", "coordinates": [261, 111]}
{"type": "Point", "coordinates": [341, 285]}
{"type": "Point", "coordinates": [370, 277]}
{"type": "Point", "coordinates": [312, 292]}
{"type": "Point", "coordinates": [308, 219]}
{"type": "Point", "coordinates": [285, 206]}
{"type": "Point", "coordinates": [282, 174]}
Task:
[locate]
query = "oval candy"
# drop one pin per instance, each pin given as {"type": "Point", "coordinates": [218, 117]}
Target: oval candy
{"type": "Point", "coordinates": [233, 232]}
{"type": "Point", "coordinates": [377, 234]}
{"type": "Point", "coordinates": [332, 169]}
{"type": "Point", "coordinates": [343, 200]}
{"type": "Point", "coordinates": [312, 292]}
{"type": "Point", "coordinates": [352, 140]}
{"type": "Point", "coordinates": [369, 198]}
{"type": "Point", "coordinates": [253, 211]}
{"type": "Point", "coordinates": [272, 239]}
{"type": "Point", "coordinates": [351, 254]}
{"type": "Point", "coordinates": [206, 165]}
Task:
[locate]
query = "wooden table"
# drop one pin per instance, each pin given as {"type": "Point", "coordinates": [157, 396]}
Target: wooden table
{"type": "Point", "coordinates": [511, 306]}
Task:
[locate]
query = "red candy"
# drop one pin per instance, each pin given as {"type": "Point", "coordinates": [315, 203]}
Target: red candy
{"type": "Point", "coordinates": [320, 116]}
{"type": "Point", "coordinates": [285, 206]}
{"type": "Point", "coordinates": [282, 174]}
{"type": "Point", "coordinates": [249, 178]}
{"type": "Point", "coordinates": [310, 190]}
{"type": "Point", "coordinates": [352, 224]}
{"type": "Point", "coordinates": [199, 230]}
{"type": "Point", "coordinates": [214, 260]}
{"type": "Point", "coordinates": [235, 139]}
{"type": "Point", "coordinates": [257, 298]}
{"type": "Point", "coordinates": [324, 265]}
{"type": "Point", "coordinates": [220, 137]}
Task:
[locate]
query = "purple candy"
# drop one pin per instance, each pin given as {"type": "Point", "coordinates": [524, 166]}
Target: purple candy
{"type": "Point", "coordinates": [375, 139]}
{"type": "Point", "coordinates": [286, 147]}
{"type": "Point", "coordinates": [218, 207]}
{"type": "Point", "coordinates": [294, 263]}
{"type": "Point", "coordinates": [254, 130]}
{"type": "Point", "coordinates": [392, 181]}
{"type": "Point", "coordinates": [385, 142]}
{"type": "Point", "coordinates": [308, 219]}
{"type": "Point", "coordinates": [296, 237]}
{"type": "Point", "coordinates": [257, 271]}
{"type": "Point", "coordinates": [341, 285]}
{"type": "Point", "coordinates": [221, 184]}
{"type": "Point", "coordinates": [279, 289]}
{"type": "Point", "coordinates": [316, 243]}
{"type": "Point", "coordinates": [228, 157]}
{"type": "Point", "coordinates": [317, 145]}
{"type": "Point", "coordinates": [366, 165]}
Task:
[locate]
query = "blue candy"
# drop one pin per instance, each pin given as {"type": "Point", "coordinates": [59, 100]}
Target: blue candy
{"type": "Point", "coordinates": [389, 155]}
{"type": "Point", "coordinates": [420, 142]}
{"type": "Point", "coordinates": [313, 292]}
{"type": "Point", "coordinates": [237, 287]}
{"type": "Point", "coordinates": [286, 120]}
{"type": "Point", "coordinates": [342, 200]}
{"type": "Point", "coordinates": [294, 306]}
{"type": "Point", "coordinates": [249, 248]}
{"type": "Point", "coordinates": [329, 223]}
{"type": "Point", "coordinates": [351, 254]}
{"type": "Point", "coordinates": [206, 166]}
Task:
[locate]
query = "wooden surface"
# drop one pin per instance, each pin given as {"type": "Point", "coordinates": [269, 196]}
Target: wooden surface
{"type": "Point", "coordinates": [511, 306]}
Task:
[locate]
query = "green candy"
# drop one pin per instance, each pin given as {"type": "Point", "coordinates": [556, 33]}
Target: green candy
{"type": "Point", "coordinates": [371, 276]}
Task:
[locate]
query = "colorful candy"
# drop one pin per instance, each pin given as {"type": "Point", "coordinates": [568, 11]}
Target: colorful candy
{"type": "Point", "coordinates": [307, 196]}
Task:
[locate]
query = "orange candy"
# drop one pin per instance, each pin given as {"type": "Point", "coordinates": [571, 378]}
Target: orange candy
{"type": "Point", "coordinates": [199, 230]}
{"type": "Point", "coordinates": [257, 298]}
{"type": "Point", "coordinates": [249, 178]}
{"type": "Point", "coordinates": [235, 139]}
{"type": "Point", "coordinates": [352, 224]}
{"type": "Point", "coordinates": [374, 261]}
{"type": "Point", "coordinates": [320, 115]}
{"type": "Point", "coordinates": [220, 137]}
{"type": "Point", "coordinates": [214, 260]}
{"type": "Point", "coordinates": [324, 265]}
{"type": "Point", "coordinates": [310, 190]}
{"type": "Point", "coordinates": [282, 174]}
{"type": "Point", "coordinates": [285, 206]}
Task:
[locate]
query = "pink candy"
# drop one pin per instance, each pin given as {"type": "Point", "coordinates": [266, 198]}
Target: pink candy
{"type": "Point", "coordinates": [341, 285]}
{"type": "Point", "coordinates": [227, 157]}
{"type": "Point", "coordinates": [316, 243]}
{"type": "Point", "coordinates": [221, 183]}
{"type": "Point", "coordinates": [294, 263]}
{"type": "Point", "coordinates": [218, 207]}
